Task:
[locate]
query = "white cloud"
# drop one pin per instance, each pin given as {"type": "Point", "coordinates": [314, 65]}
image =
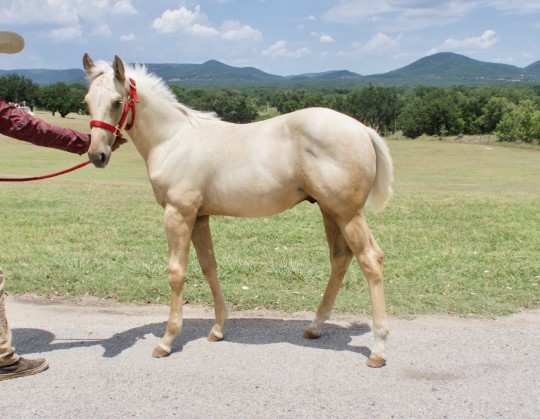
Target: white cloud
{"type": "Point", "coordinates": [326, 39]}
{"type": "Point", "coordinates": [378, 44]}
{"type": "Point", "coordinates": [52, 12]}
{"type": "Point", "coordinates": [203, 31]}
{"type": "Point", "coordinates": [279, 49]}
{"type": "Point", "coordinates": [515, 6]}
{"type": "Point", "coordinates": [350, 11]}
{"type": "Point", "coordinates": [276, 50]}
{"type": "Point", "coordinates": [399, 15]}
{"type": "Point", "coordinates": [468, 45]}
{"type": "Point", "coordinates": [232, 30]}
{"type": "Point", "coordinates": [196, 23]}
{"type": "Point", "coordinates": [66, 33]}
{"type": "Point", "coordinates": [186, 21]}
{"type": "Point", "coordinates": [129, 37]}
{"type": "Point", "coordinates": [124, 7]}
{"type": "Point", "coordinates": [101, 30]}
{"type": "Point", "coordinates": [58, 18]}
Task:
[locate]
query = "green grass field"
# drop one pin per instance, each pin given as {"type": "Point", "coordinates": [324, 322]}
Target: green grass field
{"type": "Point", "coordinates": [462, 235]}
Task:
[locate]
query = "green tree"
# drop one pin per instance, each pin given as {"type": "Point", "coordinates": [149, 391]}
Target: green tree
{"type": "Point", "coordinates": [313, 100]}
{"type": "Point", "coordinates": [295, 99]}
{"type": "Point", "coordinates": [232, 106]}
{"type": "Point", "coordinates": [289, 100]}
{"type": "Point", "coordinates": [492, 113]}
{"type": "Point", "coordinates": [522, 123]}
{"type": "Point", "coordinates": [431, 111]}
{"type": "Point", "coordinates": [376, 106]}
{"type": "Point", "coordinates": [16, 88]}
{"type": "Point", "coordinates": [62, 98]}
{"type": "Point", "coordinates": [194, 98]}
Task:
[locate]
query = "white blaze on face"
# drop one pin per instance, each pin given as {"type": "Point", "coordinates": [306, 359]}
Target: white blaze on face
{"type": "Point", "coordinates": [101, 90]}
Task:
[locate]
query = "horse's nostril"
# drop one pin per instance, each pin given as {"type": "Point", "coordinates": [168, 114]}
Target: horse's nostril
{"type": "Point", "coordinates": [103, 157]}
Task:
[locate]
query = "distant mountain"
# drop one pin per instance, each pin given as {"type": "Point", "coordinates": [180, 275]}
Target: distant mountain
{"type": "Point", "coordinates": [40, 76]}
{"type": "Point", "coordinates": [441, 69]}
{"type": "Point", "coordinates": [212, 73]}
{"type": "Point", "coordinates": [336, 77]}
{"type": "Point", "coordinates": [446, 68]}
{"type": "Point", "coordinates": [533, 70]}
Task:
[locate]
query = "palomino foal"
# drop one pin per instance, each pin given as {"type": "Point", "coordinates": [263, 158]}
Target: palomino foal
{"type": "Point", "coordinates": [200, 166]}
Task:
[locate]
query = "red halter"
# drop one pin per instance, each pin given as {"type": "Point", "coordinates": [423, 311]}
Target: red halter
{"type": "Point", "coordinates": [129, 106]}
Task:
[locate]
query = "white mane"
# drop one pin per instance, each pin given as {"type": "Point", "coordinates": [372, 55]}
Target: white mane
{"type": "Point", "coordinates": [147, 81]}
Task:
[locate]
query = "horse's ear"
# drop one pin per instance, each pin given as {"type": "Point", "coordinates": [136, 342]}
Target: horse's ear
{"type": "Point", "coordinates": [118, 67]}
{"type": "Point", "coordinates": [88, 64]}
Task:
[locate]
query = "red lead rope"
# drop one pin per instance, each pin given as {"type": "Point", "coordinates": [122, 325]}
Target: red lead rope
{"type": "Point", "coordinates": [27, 179]}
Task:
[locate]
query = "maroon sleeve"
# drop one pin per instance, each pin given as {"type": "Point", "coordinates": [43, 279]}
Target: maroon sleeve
{"type": "Point", "coordinates": [23, 126]}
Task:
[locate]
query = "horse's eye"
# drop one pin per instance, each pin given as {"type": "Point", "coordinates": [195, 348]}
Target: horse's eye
{"type": "Point", "coordinates": [117, 104]}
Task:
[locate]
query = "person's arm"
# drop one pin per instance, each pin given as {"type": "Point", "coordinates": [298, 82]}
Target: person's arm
{"type": "Point", "coordinates": [23, 126]}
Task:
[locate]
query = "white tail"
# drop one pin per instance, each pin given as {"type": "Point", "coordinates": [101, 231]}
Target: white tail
{"type": "Point", "coordinates": [381, 192]}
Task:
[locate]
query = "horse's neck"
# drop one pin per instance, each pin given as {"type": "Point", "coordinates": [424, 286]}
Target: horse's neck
{"type": "Point", "coordinates": [154, 123]}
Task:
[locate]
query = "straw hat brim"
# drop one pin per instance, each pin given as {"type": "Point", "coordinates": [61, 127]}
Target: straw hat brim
{"type": "Point", "coordinates": [10, 42]}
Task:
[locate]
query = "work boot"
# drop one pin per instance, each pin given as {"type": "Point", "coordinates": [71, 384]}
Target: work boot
{"type": "Point", "coordinates": [23, 367]}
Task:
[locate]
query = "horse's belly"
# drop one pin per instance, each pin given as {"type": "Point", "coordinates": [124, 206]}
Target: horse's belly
{"type": "Point", "coordinates": [252, 203]}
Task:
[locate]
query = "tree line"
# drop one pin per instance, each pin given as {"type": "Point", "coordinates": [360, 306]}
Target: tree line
{"type": "Point", "coordinates": [58, 97]}
{"type": "Point", "coordinates": [510, 112]}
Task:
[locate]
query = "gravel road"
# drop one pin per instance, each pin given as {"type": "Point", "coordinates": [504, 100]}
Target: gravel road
{"type": "Point", "coordinates": [99, 352]}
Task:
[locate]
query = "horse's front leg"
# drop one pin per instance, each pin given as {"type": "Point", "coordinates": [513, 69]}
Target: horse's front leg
{"type": "Point", "coordinates": [178, 228]}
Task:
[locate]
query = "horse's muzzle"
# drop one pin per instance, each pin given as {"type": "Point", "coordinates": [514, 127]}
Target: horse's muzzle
{"type": "Point", "coordinates": [100, 159]}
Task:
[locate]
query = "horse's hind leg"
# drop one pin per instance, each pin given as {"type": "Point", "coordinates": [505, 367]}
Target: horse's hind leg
{"type": "Point", "coordinates": [202, 241]}
{"type": "Point", "coordinates": [178, 229]}
{"type": "Point", "coordinates": [370, 257]}
{"type": "Point", "coordinates": [340, 258]}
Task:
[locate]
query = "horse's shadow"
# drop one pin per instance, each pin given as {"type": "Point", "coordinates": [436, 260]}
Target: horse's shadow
{"type": "Point", "coordinates": [251, 331]}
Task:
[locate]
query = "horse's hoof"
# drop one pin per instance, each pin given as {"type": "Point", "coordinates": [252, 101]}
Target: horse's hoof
{"type": "Point", "coordinates": [376, 362]}
{"type": "Point", "coordinates": [212, 337]}
{"type": "Point", "coordinates": [159, 352]}
{"type": "Point", "coordinates": [311, 334]}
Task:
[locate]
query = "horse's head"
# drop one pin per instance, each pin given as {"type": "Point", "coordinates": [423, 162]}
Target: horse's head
{"type": "Point", "coordinates": [106, 101]}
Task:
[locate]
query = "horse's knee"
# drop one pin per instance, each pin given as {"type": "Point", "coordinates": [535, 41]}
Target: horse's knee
{"type": "Point", "coordinates": [176, 270]}
{"type": "Point", "coordinates": [373, 256]}
{"type": "Point", "coordinates": [177, 276]}
{"type": "Point", "coordinates": [371, 262]}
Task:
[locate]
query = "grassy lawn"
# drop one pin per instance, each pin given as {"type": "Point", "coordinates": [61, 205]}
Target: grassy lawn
{"type": "Point", "coordinates": [462, 235]}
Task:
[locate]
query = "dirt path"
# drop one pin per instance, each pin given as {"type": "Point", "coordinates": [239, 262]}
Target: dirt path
{"type": "Point", "coordinates": [439, 366]}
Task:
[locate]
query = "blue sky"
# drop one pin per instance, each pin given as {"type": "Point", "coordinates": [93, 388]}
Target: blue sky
{"type": "Point", "coordinates": [282, 37]}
